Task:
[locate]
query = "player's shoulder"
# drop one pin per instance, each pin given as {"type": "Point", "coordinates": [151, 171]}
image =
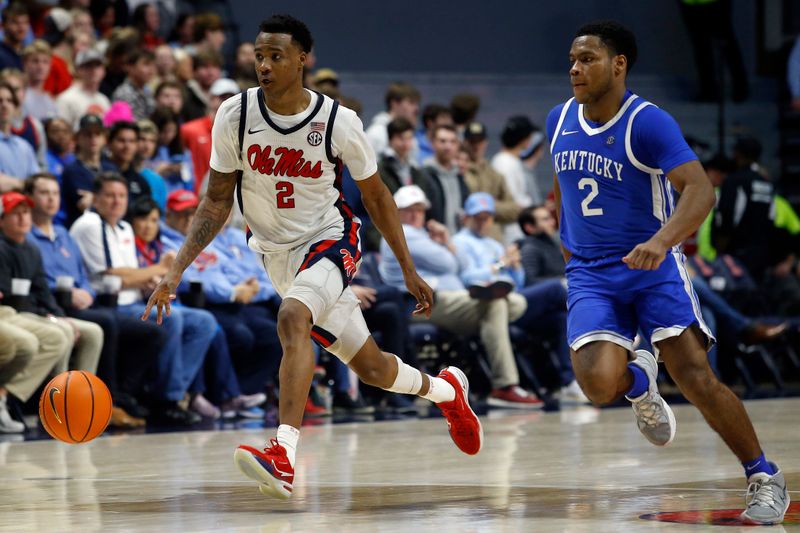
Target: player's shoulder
{"type": "Point", "coordinates": [647, 111]}
{"type": "Point", "coordinates": [554, 115]}
{"type": "Point", "coordinates": [345, 117]}
{"type": "Point", "coordinates": [231, 108]}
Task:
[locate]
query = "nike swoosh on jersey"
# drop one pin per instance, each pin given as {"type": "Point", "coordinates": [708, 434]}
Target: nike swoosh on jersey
{"type": "Point", "coordinates": [251, 132]}
{"type": "Point", "coordinates": [565, 132]}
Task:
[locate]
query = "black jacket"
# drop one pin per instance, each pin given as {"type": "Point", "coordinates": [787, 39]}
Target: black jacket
{"type": "Point", "coordinates": [25, 261]}
{"type": "Point", "coordinates": [541, 258]}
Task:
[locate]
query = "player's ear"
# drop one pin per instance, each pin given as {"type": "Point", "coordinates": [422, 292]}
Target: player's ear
{"type": "Point", "coordinates": [620, 64]}
{"type": "Point", "coordinates": [302, 58]}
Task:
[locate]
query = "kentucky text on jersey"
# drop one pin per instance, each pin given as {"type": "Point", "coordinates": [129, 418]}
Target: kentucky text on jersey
{"type": "Point", "coordinates": [287, 162]}
{"type": "Point", "coordinates": [615, 193]}
{"type": "Point", "coordinates": [585, 161]}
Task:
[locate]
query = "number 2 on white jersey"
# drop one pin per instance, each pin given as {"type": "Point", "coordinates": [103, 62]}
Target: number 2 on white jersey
{"type": "Point", "coordinates": [593, 192]}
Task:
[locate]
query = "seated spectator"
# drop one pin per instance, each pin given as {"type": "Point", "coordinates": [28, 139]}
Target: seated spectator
{"type": "Point", "coordinates": [39, 345]}
{"type": "Point", "coordinates": [84, 97]}
{"type": "Point", "coordinates": [196, 134]}
{"type": "Point", "coordinates": [224, 385]}
{"type": "Point", "coordinates": [402, 100]}
{"type": "Point", "coordinates": [435, 257]}
{"type": "Point", "coordinates": [17, 159]}
{"type": "Point", "coordinates": [169, 94]}
{"type": "Point", "coordinates": [516, 138]}
{"type": "Point", "coordinates": [148, 142]}
{"type": "Point", "coordinates": [398, 168]}
{"type": "Point", "coordinates": [171, 160]}
{"type": "Point", "coordinates": [38, 103]}
{"type": "Point", "coordinates": [481, 177]}
{"type": "Point", "coordinates": [108, 247]}
{"type": "Point", "coordinates": [243, 72]}
{"type": "Point", "coordinates": [16, 26]}
{"type": "Point", "coordinates": [123, 146]}
{"type": "Point", "coordinates": [540, 250]}
{"type": "Point", "coordinates": [237, 291]}
{"type": "Point", "coordinates": [207, 68]}
{"type": "Point", "coordinates": [26, 126]}
{"type": "Point", "coordinates": [182, 34]}
{"type": "Point", "coordinates": [464, 108]}
{"type": "Point", "coordinates": [130, 346]}
{"type": "Point", "coordinates": [433, 116]}
{"type": "Point", "coordinates": [486, 260]}
{"type": "Point", "coordinates": [122, 42]}
{"type": "Point", "coordinates": [20, 260]}
{"type": "Point", "coordinates": [60, 146]}
{"type": "Point", "coordinates": [165, 64]}
{"type": "Point", "coordinates": [15, 355]}
{"type": "Point", "coordinates": [146, 19]}
{"type": "Point", "coordinates": [451, 191]}
{"type": "Point", "coordinates": [208, 33]}
{"type": "Point", "coordinates": [135, 90]}
{"type": "Point", "coordinates": [77, 181]}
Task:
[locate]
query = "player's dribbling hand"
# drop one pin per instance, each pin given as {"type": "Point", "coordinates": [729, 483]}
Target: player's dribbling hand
{"type": "Point", "coordinates": [161, 298]}
{"type": "Point", "coordinates": [422, 292]}
{"type": "Point", "coordinates": [646, 256]}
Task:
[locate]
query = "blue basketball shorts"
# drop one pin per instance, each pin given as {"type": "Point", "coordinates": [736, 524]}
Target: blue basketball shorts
{"type": "Point", "coordinates": [607, 301]}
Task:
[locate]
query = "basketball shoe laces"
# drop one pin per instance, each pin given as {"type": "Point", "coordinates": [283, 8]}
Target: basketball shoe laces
{"type": "Point", "coordinates": [274, 448]}
{"type": "Point", "coordinates": [650, 409]}
{"type": "Point", "coordinates": [760, 493]}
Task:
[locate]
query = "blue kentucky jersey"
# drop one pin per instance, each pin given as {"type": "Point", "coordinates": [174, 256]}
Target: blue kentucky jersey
{"type": "Point", "coordinates": [612, 176]}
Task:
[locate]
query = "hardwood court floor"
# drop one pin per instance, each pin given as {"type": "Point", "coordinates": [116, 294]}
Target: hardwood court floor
{"type": "Point", "coordinates": [578, 470]}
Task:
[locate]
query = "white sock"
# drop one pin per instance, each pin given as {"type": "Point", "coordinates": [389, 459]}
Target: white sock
{"type": "Point", "coordinates": [440, 391]}
{"type": "Point", "coordinates": [408, 380]}
{"type": "Point", "coordinates": [288, 437]}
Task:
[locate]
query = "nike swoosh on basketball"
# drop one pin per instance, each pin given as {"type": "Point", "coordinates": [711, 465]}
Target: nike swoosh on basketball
{"type": "Point", "coordinates": [53, 392]}
{"type": "Point", "coordinates": [251, 132]}
{"type": "Point", "coordinates": [565, 132]}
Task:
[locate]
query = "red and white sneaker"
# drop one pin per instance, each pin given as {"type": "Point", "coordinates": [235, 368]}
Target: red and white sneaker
{"type": "Point", "coordinates": [270, 467]}
{"type": "Point", "coordinates": [465, 428]}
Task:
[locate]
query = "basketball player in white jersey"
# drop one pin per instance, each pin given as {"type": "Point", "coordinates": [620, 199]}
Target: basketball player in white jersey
{"type": "Point", "coordinates": [280, 149]}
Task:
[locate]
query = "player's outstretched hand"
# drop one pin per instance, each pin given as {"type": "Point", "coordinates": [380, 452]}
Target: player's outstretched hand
{"type": "Point", "coordinates": [646, 256]}
{"type": "Point", "coordinates": [422, 292]}
{"type": "Point", "coordinates": [162, 295]}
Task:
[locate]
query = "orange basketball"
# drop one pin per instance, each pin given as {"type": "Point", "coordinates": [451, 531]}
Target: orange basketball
{"type": "Point", "coordinates": [75, 407]}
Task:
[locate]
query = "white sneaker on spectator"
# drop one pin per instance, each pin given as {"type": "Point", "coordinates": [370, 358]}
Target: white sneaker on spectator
{"type": "Point", "coordinates": [246, 401]}
{"type": "Point", "coordinates": [205, 408]}
{"type": "Point", "coordinates": [8, 424]}
{"type": "Point", "coordinates": [573, 394]}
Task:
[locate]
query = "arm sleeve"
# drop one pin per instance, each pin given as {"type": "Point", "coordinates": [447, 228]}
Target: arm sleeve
{"type": "Point", "coordinates": [531, 263]}
{"type": "Point", "coordinates": [506, 209]}
{"type": "Point", "coordinates": [349, 142]}
{"type": "Point", "coordinates": [225, 150]}
{"type": "Point", "coordinates": [657, 140]}
{"type": "Point", "coordinates": [431, 256]}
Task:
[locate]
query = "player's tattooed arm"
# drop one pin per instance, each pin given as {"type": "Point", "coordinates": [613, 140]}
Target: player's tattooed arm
{"type": "Point", "coordinates": [697, 199]}
{"type": "Point", "coordinates": [383, 213]}
{"type": "Point", "coordinates": [211, 215]}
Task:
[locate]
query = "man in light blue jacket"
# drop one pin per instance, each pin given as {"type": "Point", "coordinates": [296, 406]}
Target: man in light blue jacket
{"type": "Point", "coordinates": [434, 255]}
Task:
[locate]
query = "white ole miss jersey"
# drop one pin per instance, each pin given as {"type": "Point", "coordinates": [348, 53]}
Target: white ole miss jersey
{"type": "Point", "coordinates": [291, 181]}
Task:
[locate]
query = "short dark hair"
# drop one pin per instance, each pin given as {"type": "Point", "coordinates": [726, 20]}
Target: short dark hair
{"type": "Point", "coordinates": [108, 177]}
{"type": "Point", "coordinates": [433, 111]}
{"type": "Point", "coordinates": [291, 26]}
{"type": "Point", "coordinates": [526, 217]}
{"type": "Point", "coordinates": [143, 207]}
{"type": "Point", "coordinates": [617, 38]}
{"type": "Point", "coordinates": [398, 126]}
{"type": "Point", "coordinates": [447, 127]}
{"type": "Point", "coordinates": [30, 181]}
{"type": "Point", "coordinates": [399, 91]}
{"type": "Point", "coordinates": [206, 22]}
{"type": "Point", "coordinates": [168, 84]}
{"type": "Point", "coordinates": [464, 107]}
{"type": "Point", "coordinates": [15, 9]}
{"type": "Point", "coordinates": [140, 54]}
{"type": "Point", "coordinates": [122, 125]}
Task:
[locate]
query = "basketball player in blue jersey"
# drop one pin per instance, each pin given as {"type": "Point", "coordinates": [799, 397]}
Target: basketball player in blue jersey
{"type": "Point", "coordinates": [621, 164]}
{"type": "Point", "coordinates": [280, 149]}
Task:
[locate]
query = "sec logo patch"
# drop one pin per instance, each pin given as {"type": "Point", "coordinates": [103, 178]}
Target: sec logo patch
{"type": "Point", "coordinates": [314, 138]}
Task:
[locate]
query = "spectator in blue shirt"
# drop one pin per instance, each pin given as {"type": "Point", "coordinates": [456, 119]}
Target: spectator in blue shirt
{"type": "Point", "coordinates": [435, 257]}
{"type": "Point", "coordinates": [486, 260]}
{"type": "Point", "coordinates": [17, 160]}
{"type": "Point", "coordinates": [130, 346]}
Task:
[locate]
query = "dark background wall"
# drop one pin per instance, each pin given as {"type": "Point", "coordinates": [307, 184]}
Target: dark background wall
{"type": "Point", "coordinates": [483, 36]}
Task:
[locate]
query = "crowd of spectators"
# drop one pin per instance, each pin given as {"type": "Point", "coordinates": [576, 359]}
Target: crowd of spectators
{"type": "Point", "coordinates": [105, 141]}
